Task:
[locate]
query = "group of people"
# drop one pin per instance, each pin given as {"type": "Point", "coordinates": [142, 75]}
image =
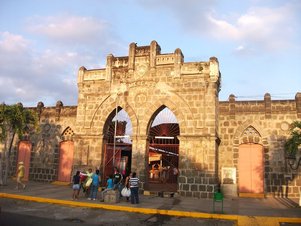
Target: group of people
{"type": "Point", "coordinates": [90, 183]}
{"type": "Point", "coordinates": [163, 174]}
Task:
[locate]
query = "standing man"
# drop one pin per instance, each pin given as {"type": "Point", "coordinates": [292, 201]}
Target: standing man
{"type": "Point", "coordinates": [134, 186]}
{"type": "Point", "coordinates": [20, 175]}
{"type": "Point", "coordinates": [117, 180]}
{"type": "Point", "coordinates": [94, 186]}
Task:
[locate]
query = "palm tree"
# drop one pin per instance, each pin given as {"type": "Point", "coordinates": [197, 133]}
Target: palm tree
{"type": "Point", "coordinates": [292, 144]}
{"type": "Point", "coordinates": [14, 120]}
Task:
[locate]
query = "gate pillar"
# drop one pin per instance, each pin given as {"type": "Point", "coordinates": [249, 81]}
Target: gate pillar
{"type": "Point", "coordinates": [197, 166]}
{"type": "Point", "coordinates": [139, 157]}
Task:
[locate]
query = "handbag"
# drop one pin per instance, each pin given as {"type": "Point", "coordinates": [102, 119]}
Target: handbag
{"type": "Point", "coordinates": [126, 192]}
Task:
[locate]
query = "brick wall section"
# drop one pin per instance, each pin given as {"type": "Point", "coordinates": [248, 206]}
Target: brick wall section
{"type": "Point", "coordinates": [271, 118]}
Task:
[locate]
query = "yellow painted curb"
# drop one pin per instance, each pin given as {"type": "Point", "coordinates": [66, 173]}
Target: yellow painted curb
{"type": "Point", "coordinates": [251, 195]}
{"type": "Point", "coordinates": [60, 183]}
{"type": "Point", "coordinates": [241, 220]}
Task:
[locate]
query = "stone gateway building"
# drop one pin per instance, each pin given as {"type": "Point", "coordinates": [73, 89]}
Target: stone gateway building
{"type": "Point", "coordinates": [153, 113]}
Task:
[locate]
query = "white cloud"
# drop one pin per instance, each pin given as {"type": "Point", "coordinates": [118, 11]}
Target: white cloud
{"type": "Point", "coordinates": [64, 28]}
{"type": "Point", "coordinates": [12, 43]}
{"type": "Point", "coordinates": [30, 73]}
{"type": "Point", "coordinates": [265, 28]}
{"type": "Point", "coordinates": [74, 31]}
{"type": "Point", "coordinates": [29, 76]}
{"type": "Point", "coordinates": [270, 28]}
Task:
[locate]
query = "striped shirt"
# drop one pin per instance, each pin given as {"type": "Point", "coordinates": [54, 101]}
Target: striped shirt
{"type": "Point", "coordinates": [134, 182]}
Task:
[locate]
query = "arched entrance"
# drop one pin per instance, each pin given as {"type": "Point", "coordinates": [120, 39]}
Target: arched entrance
{"type": "Point", "coordinates": [250, 168]}
{"type": "Point", "coordinates": [24, 154]}
{"type": "Point", "coordinates": [66, 154]}
{"type": "Point", "coordinates": [163, 151]}
{"type": "Point", "coordinates": [117, 143]}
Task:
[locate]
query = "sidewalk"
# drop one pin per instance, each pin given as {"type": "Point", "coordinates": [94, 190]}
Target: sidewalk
{"type": "Point", "coordinates": [246, 211]}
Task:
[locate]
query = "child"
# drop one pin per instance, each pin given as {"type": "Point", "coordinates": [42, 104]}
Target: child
{"type": "Point", "coordinates": [76, 185]}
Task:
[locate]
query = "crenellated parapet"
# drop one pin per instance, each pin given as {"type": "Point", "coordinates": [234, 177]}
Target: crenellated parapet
{"type": "Point", "coordinates": [141, 63]}
{"type": "Point", "coordinates": [266, 107]}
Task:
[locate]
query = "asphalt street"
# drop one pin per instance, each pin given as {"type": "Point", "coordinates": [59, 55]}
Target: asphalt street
{"type": "Point", "coordinates": [23, 213]}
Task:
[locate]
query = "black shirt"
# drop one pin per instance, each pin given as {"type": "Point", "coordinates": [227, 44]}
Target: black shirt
{"type": "Point", "coordinates": [117, 178]}
{"type": "Point", "coordinates": [76, 179]}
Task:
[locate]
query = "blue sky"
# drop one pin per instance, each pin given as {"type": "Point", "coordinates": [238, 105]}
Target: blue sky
{"type": "Point", "coordinates": [44, 42]}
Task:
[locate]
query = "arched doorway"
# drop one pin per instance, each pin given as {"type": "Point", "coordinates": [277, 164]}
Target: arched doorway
{"type": "Point", "coordinates": [24, 154]}
{"type": "Point", "coordinates": [66, 154]}
{"type": "Point", "coordinates": [163, 151]}
{"type": "Point", "coordinates": [250, 168]}
{"type": "Point", "coordinates": [117, 143]}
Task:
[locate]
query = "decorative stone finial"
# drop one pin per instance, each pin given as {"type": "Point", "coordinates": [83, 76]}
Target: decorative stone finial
{"type": "Point", "coordinates": [58, 108]}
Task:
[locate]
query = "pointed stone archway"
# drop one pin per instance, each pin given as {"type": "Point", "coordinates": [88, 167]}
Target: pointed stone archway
{"type": "Point", "coordinates": [66, 156]}
{"type": "Point", "coordinates": [141, 83]}
{"type": "Point", "coordinates": [163, 151]}
{"type": "Point", "coordinates": [250, 161]}
{"type": "Point", "coordinates": [117, 144]}
{"type": "Point", "coordinates": [24, 155]}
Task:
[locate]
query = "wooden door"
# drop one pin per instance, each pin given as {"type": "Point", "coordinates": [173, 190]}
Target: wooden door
{"type": "Point", "coordinates": [108, 160]}
{"type": "Point", "coordinates": [24, 152]}
{"type": "Point", "coordinates": [66, 161]}
{"type": "Point", "coordinates": [250, 168]}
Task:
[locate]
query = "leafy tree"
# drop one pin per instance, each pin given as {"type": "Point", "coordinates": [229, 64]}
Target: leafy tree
{"type": "Point", "coordinates": [292, 144]}
{"type": "Point", "coordinates": [15, 121]}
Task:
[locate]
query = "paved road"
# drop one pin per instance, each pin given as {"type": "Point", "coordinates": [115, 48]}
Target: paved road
{"type": "Point", "coordinates": [15, 213]}
{"type": "Point", "coordinates": [53, 200]}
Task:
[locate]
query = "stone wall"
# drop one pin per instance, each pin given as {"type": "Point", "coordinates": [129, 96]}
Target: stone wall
{"type": "Point", "coordinates": [56, 124]}
{"type": "Point", "coordinates": [142, 83]}
{"type": "Point", "coordinates": [267, 123]}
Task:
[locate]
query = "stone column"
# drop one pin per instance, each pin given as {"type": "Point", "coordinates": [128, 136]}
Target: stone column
{"type": "Point", "coordinates": [109, 66]}
{"type": "Point", "coordinates": [81, 74]}
{"type": "Point", "coordinates": [232, 106]}
{"type": "Point", "coordinates": [132, 50]}
{"type": "Point", "coordinates": [139, 158]}
{"type": "Point", "coordinates": [40, 108]}
{"type": "Point", "coordinates": [298, 104]}
{"type": "Point", "coordinates": [154, 50]}
{"type": "Point", "coordinates": [178, 61]}
{"type": "Point", "coordinates": [58, 107]}
{"type": "Point", "coordinates": [267, 105]}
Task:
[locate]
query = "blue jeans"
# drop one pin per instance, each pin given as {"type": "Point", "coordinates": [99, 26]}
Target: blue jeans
{"type": "Point", "coordinates": [93, 191]}
{"type": "Point", "coordinates": [134, 195]}
{"type": "Point", "coordinates": [119, 188]}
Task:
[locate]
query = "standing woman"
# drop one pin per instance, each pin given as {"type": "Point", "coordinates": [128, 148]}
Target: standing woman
{"type": "Point", "coordinates": [134, 186]}
{"type": "Point", "coordinates": [76, 185]}
{"type": "Point", "coordinates": [94, 186]}
{"type": "Point", "coordinates": [20, 175]}
{"type": "Point", "coordinates": [127, 185]}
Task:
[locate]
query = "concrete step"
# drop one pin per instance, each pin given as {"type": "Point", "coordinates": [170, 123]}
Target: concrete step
{"type": "Point", "coordinates": [165, 194]}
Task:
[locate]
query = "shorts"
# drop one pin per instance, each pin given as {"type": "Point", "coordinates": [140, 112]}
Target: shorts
{"type": "Point", "coordinates": [75, 186]}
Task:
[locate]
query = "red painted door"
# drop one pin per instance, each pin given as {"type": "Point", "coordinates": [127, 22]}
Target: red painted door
{"type": "Point", "coordinates": [24, 152]}
{"type": "Point", "coordinates": [66, 161]}
{"type": "Point", "coordinates": [108, 160]}
{"type": "Point", "coordinates": [250, 168]}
